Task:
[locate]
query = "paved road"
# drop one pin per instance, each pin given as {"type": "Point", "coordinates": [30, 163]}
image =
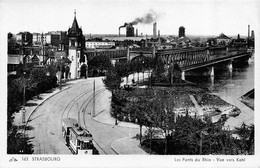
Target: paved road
{"type": "Point", "coordinates": [77, 100]}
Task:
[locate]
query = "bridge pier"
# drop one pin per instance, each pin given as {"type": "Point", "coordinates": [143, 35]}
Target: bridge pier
{"type": "Point", "coordinates": [230, 66]}
{"type": "Point", "coordinates": [183, 75]}
{"type": "Point", "coordinates": [250, 60]}
{"type": "Point", "coordinates": [211, 71]}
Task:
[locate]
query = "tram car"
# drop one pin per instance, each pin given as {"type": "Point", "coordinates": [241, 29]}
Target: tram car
{"type": "Point", "coordinates": [78, 139]}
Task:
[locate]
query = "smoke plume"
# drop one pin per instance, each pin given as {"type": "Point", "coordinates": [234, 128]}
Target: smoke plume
{"type": "Point", "coordinates": [148, 18]}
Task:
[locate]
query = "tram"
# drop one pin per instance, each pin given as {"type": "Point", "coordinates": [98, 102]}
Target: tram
{"type": "Point", "coordinates": [78, 139]}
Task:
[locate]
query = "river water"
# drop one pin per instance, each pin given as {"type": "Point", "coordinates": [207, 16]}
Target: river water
{"type": "Point", "coordinates": [230, 85]}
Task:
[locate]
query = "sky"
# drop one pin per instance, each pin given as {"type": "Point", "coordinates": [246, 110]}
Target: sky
{"type": "Point", "coordinates": [199, 17]}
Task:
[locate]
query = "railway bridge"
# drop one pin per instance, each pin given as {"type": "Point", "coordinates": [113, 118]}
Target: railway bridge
{"type": "Point", "coordinates": [203, 57]}
{"type": "Point", "coordinates": [188, 59]}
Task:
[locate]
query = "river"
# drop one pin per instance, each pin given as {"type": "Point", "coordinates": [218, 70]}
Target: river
{"type": "Point", "coordinates": [230, 86]}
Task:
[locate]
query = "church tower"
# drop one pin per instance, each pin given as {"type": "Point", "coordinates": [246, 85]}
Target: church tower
{"type": "Point", "coordinates": [76, 46]}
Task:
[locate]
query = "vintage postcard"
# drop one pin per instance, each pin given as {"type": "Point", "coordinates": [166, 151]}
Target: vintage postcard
{"type": "Point", "coordinates": [125, 83]}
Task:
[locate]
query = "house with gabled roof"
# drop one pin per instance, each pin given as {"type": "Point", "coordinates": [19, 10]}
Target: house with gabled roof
{"type": "Point", "coordinates": [223, 39]}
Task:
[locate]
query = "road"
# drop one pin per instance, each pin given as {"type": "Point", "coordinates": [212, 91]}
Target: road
{"type": "Point", "coordinates": [74, 102]}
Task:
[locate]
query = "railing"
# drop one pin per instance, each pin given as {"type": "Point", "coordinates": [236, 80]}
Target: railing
{"type": "Point", "coordinates": [203, 55]}
{"type": "Point", "coordinates": [111, 53]}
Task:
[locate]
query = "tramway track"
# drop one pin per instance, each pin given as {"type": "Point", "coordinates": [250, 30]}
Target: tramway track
{"type": "Point", "coordinates": [73, 102]}
{"type": "Point", "coordinates": [84, 114]}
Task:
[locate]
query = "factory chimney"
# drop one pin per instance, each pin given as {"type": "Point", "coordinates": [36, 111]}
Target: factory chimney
{"type": "Point", "coordinates": [248, 35]}
{"type": "Point", "coordinates": [159, 37]}
{"type": "Point", "coordinates": [154, 30]}
{"type": "Point", "coordinates": [252, 34]}
{"type": "Point", "coordinates": [136, 32]}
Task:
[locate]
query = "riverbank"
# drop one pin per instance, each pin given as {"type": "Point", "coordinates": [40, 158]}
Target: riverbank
{"type": "Point", "coordinates": [249, 99]}
{"type": "Point", "coordinates": [185, 98]}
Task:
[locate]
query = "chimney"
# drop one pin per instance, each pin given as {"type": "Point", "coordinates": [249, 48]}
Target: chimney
{"type": "Point", "coordinates": [154, 30]}
{"type": "Point", "coordinates": [248, 35]}
{"type": "Point", "coordinates": [159, 37]}
{"type": "Point", "coordinates": [252, 34]}
{"type": "Point", "coordinates": [136, 32]}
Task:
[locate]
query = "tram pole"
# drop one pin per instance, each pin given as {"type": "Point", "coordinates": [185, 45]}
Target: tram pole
{"type": "Point", "coordinates": [93, 111]}
{"type": "Point", "coordinates": [78, 115]}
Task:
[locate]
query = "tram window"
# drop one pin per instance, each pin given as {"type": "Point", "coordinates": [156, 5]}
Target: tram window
{"type": "Point", "coordinates": [84, 145]}
{"type": "Point", "coordinates": [87, 145]}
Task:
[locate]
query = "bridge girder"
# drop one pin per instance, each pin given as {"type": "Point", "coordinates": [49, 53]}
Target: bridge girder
{"type": "Point", "coordinates": [203, 57]}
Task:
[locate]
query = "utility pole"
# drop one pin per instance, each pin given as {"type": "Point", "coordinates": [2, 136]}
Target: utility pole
{"type": "Point", "coordinates": [24, 83]}
{"type": "Point", "coordinates": [201, 143]}
{"type": "Point", "coordinates": [93, 112]}
{"type": "Point", "coordinates": [78, 115]}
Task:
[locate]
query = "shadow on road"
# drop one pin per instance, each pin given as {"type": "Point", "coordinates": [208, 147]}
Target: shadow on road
{"type": "Point", "coordinates": [35, 118]}
{"type": "Point", "coordinates": [31, 104]}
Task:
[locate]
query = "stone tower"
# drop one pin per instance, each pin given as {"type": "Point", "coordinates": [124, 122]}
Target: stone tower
{"type": "Point", "coordinates": [76, 46]}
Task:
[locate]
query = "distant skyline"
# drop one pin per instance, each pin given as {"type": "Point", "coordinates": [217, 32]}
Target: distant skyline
{"type": "Point", "coordinates": [211, 17]}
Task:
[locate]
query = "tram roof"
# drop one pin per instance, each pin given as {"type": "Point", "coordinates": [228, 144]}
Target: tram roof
{"type": "Point", "coordinates": [81, 133]}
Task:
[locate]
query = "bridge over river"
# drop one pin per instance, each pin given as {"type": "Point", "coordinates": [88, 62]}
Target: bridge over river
{"type": "Point", "coordinates": [194, 58]}
{"type": "Point", "coordinates": [187, 59]}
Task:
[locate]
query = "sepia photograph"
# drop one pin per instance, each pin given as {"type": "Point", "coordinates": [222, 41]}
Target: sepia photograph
{"type": "Point", "coordinates": [143, 79]}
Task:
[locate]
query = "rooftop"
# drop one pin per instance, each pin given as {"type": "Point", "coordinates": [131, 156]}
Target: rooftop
{"type": "Point", "coordinates": [222, 36]}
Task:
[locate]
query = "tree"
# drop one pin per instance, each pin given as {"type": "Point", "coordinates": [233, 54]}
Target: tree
{"type": "Point", "coordinates": [174, 73]}
{"type": "Point", "coordinates": [148, 64]}
{"type": "Point", "coordinates": [99, 63]}
{"type": "Point", "coordinates": [159, 70]}
{"type": "Point", "coordinates": [122, 69]}
{"type": "Point", "coordinates": [166, 119]}
{"type": "Point", "coordinates": [138, 108]}
{"type": "Point", "coordinates": [18, 143]}
{"type": "Point", "coordinates": [246, 136]}
{"type": "Point", "coordinates": [136, 66]}
{"type": "Point", "coordinates": [14, 98]}
{"type": "Point", "coordinates": [112, 82]}
{"type": "Point", "coordinates": [51, 68]}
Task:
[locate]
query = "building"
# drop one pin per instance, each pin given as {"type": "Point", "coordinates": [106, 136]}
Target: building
{"type": "Point", "coordinates": [24, 38]}
{"type": "Point", "coordinates": [223, 39]}
{"type": "Point", "coordinates": [99, 44]}
{"type": "Point", "coordinates": [51, 38]}
{"type": "Point", "coordinates": [38, 39]}
{"type": "Point", "coordinates": [78, 66]}
{"type": "Point", "coordinates": [181, 32]}
{"type": "Point", "coordinates": [130, 30]}
{"type": "Point", "coordinates": [13, 63]}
